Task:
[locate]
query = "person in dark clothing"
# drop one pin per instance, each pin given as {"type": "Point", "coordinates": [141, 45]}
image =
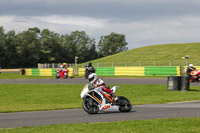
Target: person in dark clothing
{"type": "Point", "coordinates": [89, 69]}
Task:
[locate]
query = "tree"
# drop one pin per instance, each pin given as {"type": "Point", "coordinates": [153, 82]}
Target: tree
{"type": "Point", "coordinates": [79, 44]}
{"type": "Point", "coordinates": [28, 47]}
{"type": "Point", "coordinates": [50, 47]}
{"type": "Point", "coordinates": [112, 44]}
{"type": "Point", "coordinates": [2, 47]}
{"type": "Point", "coordinates": [10, 56]}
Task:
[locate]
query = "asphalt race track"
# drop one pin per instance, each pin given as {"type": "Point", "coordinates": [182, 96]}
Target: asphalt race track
{"type": "Point", "coordinates": [139, 112]}
{"type": "Point", "coordinates": [84, 81]}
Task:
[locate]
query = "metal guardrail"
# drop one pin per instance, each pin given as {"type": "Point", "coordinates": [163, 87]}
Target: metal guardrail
{"type": "Point", "coordinates": [9, 70]}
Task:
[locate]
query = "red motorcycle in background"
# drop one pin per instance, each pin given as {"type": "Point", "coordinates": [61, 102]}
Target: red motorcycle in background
{"type": "Point", "coordinates": [195, 75]}
{"type": "Point", "coordinates": [62, 73]}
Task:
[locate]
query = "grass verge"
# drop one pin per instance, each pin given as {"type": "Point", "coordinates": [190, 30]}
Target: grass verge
{"type": "Point", "coordinates": [29, 97]}
{"type": "Point", "coordinates": [172, 125]}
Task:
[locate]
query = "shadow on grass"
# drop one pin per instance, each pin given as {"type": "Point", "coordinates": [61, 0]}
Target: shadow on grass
{"type": "Point", "coordinates": [194, 90]}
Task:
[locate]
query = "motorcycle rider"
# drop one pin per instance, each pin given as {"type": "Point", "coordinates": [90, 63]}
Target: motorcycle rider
{"type": "Point", "coordinates": [89, 69]}
{"type": "Point", "coordinates": [63, 66]}
{"type": "Point", "coordinates": [190, 69]}
{"type": "Point", "coordinates": [98, 82]}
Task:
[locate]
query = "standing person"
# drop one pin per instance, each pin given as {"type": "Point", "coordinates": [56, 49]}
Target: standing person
{"type": "Point", "coordinates": [98, 82]}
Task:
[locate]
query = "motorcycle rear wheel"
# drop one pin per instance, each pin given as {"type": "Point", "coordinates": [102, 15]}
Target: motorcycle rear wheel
{"type": "Point", "coordinates": [125, 104]}
{"type": "Point", "coordinates": [90, 106]}
{"type": "Point", "coordinates": [66, 76]}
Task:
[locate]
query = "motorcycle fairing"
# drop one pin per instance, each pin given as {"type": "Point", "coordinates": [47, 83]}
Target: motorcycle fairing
{"type": "Point", "coordinates": [107, 97]}
{"type": "Point", "coordinates": [96, 96]}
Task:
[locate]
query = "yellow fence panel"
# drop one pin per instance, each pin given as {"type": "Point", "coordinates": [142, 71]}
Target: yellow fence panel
{"type": "Point", "coordinates": [28, 72]}
{"type": "Point", "coordinates": [197, 67]}
{"type": "Point", "coordinates": [46, 72]}
{"type": "Point", "coordinates": [136, 71]}
{"type": "Point", "coordinates": [81, 71]}
{"type": "Point", "coordinates": [71, 71]}
{"type": "Point", "coordinates": [178, 69]}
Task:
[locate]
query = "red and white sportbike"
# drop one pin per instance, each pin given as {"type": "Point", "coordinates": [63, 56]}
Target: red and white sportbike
{"type": "Point", "coordinates": [62, 73]}
{"type": "Point", "coordinates": [195, 75]}
{"type": "Point", "coordinates": [96, 99]}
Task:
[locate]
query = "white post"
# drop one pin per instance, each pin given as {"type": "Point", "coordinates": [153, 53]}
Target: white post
{"type": "Point", "coordinates": [76, 68]}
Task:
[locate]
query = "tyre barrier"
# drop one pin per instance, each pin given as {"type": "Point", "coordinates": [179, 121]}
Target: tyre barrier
{"type": "Point", "coordinates": [178, 83]}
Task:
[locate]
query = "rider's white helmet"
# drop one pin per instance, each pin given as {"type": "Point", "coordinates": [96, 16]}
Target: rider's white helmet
{"type": "Point", "coordinates": [190, 65]}
{"type": "Point", "coordinates": [92, 77]}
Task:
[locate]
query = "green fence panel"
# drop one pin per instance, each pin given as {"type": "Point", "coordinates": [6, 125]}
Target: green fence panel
{"type": "Point", "coordinates": [36, 72]}
{"type": "Point", "coordinates": [162, 71]}
{"type": "Point", "coordinates": [54, 71]}
{"type": "Point", "coordinates": [108, 71]}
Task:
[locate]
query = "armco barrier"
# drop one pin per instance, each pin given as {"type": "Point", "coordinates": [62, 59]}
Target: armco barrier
{"type": "Point", "coordinates": [9, 70]}
{"type": "Point", "coordinates": [28, 72]}
{"type": "Point", "coordinates": [45, 72]}
{"type": "Point", "coordinates": [81, 71]}
{"type": "Point", "coordinates": [35, 72]}
{"type": "Point", "coordinates": [162, 71]}
{"type": "Point", "coordinates": [137, 71]}
{"type": "Point", "coordinates": [107, 71]}
{"type": "Point", "coordinates": [197, 67]}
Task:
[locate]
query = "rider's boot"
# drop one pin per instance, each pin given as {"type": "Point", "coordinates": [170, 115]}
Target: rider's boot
{"type": "Point", "coordinates": [114, 96]}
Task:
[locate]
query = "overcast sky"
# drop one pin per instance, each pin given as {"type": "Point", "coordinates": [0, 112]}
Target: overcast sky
{"type": "Point", "coordinates": [143, 22]}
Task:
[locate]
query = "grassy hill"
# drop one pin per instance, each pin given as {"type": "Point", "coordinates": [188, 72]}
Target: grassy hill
{"type": "Point", "coordinates": [155, 55]}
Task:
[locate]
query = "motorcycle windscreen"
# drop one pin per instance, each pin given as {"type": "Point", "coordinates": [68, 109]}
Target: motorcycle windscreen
{"type": "Point", "coordinates": [96, 96]}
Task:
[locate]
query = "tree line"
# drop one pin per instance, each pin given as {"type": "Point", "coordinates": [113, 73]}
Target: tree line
{"type": "Point", "coordinates": [27, 48]}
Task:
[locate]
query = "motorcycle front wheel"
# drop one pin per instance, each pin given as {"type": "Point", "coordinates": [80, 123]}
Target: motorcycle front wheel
{"type": "Point", "coordinates": [57, 75]}
{"type": "Point", "coordinates": [124, 104]}
{"type": "Point", "coordinates": [90, 106]}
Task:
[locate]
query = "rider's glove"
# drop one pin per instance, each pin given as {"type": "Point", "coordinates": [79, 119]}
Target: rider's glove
{"type": "Point", "coordinates": [92, 87]}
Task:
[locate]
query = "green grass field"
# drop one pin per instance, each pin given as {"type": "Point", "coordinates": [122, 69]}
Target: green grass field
{"type": "Point", "coordinates": [29, 97]}
{"type": "Point", "coordinates": [173, 125]}
{"type": "Point", "coordinates": [159, 55]}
